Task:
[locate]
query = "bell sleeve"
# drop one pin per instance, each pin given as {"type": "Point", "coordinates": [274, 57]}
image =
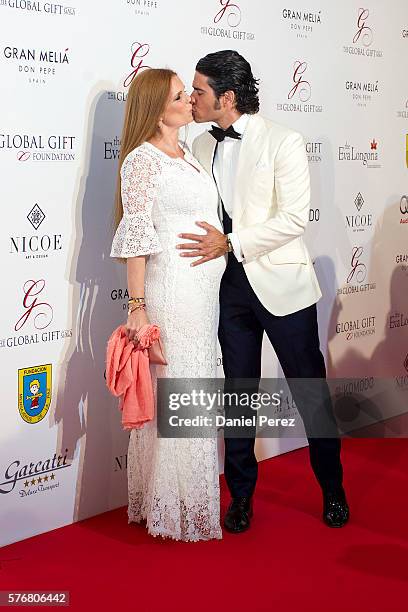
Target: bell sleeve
{"type": "Point", "coordinates": [136, 234]}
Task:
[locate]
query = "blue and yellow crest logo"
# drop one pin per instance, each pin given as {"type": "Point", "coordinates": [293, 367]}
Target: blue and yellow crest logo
{"type": "Point", "coordinates": [34, 392]}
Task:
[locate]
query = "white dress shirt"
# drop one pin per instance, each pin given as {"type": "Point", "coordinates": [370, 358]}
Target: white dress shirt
{"type": "Point", "coordinates": [225, 169]}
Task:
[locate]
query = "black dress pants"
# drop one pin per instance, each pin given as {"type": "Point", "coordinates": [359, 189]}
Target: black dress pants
{"type": "Point", "coordinates": [295, 339]}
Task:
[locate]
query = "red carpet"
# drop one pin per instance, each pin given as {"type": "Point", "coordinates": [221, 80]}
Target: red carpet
{"type": "Point", "coordinates": [287, 561]}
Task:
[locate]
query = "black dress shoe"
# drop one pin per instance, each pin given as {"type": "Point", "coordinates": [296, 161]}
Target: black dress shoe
{"type": "Point", "coordinates": [335, 508]}
{"type": "Point", "coordinates": [239, 514]}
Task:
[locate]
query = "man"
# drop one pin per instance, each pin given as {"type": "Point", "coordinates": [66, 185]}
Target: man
{"type": "Point", "coordinates": [269, 284]}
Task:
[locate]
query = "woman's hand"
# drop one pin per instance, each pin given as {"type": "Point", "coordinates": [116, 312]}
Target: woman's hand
{"type": "Point", "coordinates": [134, 322]}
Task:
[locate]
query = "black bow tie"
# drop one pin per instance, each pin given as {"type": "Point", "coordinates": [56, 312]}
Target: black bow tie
{"type": "Point", "coordinates": [220, 134]}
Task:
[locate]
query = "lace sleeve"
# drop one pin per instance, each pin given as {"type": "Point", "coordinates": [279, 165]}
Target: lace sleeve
{"type": "Point", "coordinates": [136, 234]}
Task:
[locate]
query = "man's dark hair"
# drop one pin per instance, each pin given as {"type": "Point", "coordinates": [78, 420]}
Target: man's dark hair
{"type": "Point", "coordinates": [229, 71]}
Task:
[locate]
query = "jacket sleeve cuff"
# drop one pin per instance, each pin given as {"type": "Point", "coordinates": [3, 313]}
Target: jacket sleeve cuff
{"type": "Point", "coordinates": [236, 246]}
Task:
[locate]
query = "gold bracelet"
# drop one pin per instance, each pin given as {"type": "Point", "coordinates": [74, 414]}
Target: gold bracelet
{"type": "Point", "coordinates": [140, 307]}
{"type": "Point", "coordinates": [138, 300]}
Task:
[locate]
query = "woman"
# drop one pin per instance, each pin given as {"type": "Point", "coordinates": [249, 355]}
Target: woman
{"type": "Point", "coordinates": [162, 190]}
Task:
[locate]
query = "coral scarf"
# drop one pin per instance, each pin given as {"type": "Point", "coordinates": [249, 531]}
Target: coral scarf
{"type": "Point", "coordinates": [128, 374]}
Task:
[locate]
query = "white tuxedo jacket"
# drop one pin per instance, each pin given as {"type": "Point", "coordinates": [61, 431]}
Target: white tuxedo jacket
{"type": "Point", "coordinates": [270, 213]}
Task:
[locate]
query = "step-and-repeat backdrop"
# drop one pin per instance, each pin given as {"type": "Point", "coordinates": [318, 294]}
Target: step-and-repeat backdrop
{"type": "Point", "coordinates": [334, 71]}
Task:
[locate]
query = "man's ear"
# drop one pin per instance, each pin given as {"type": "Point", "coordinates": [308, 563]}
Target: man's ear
{"type": "Point", "coordinates": [229, 97]}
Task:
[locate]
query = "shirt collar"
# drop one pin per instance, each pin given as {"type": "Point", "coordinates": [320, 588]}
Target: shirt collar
{"type": "Point", "coordinates": [240, 124]}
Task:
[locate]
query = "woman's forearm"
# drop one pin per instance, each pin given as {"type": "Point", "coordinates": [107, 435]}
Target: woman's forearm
{"type": "Point", "coordinates": [137, 316]}
{"type": "Point", "coordinates": [136, 275]}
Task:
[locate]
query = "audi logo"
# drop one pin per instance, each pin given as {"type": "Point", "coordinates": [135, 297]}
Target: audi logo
{"type": "Point", "coordinates": [404, 205]}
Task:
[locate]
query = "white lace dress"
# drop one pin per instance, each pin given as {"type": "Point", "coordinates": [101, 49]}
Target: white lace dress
{"type": "Point", "coordinates": [173, 483]}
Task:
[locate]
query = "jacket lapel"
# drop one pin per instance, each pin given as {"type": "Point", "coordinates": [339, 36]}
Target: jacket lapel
{"type": "Point", "coordinates": [206, 158]}
{"type": "Point", "coordinates": [253, 144]}
{"type": "Point", "coordinates": [207, 151]}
